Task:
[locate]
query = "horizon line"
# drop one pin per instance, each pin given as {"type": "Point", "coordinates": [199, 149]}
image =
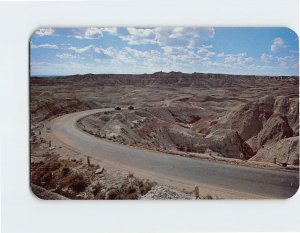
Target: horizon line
{"type": "Point", "coordinates": [66, 75]}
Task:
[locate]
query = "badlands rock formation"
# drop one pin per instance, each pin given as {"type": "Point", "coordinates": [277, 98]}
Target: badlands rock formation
{"type": "Point", "coordinates": [275, 129]}
{"type": "Point", "coordinates": [268, 124]}
{"type": "Point", "coordinates": [283, 151]}
{"type": "Point", "coordinates": [232, 115]}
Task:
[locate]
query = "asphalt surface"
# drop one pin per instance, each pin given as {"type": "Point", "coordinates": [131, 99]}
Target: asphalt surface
{"type": "Point", "coordinates": [258, 181]}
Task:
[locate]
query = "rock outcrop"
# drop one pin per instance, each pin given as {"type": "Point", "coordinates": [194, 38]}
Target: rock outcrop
{"type": "Point", "coordinates": [149, 130]}
{"type": "Point", "coordinates": [275, 129]}
{"type": "Point", "coordinates": [248, 119]}
{"type": "Point", "coordinates": [229, 143]}
{"type": "Point", "coordinates": [266, 120]}
{"type": "Point", "coordinates": [288, 107]}
{"type": "Point", "coordinates": [46, 194]}
{"type": "Point", "coordinates": [285, 151]}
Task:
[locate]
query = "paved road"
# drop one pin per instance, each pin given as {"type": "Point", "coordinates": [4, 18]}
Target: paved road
{"type": "Point", "coordinates": [269, 183]}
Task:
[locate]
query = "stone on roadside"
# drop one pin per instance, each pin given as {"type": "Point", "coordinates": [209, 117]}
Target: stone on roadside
{"type": "Point", "coordinates": [99, 170]}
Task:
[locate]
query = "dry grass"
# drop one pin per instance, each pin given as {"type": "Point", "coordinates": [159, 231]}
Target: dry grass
{"type": "Point", "coordinates": [75, 180]}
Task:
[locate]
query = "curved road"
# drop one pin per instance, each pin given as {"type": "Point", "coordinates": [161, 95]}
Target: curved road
{"type": "Point", "coordinates": [257, 181]}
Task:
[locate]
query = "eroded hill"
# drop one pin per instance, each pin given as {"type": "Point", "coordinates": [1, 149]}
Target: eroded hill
{"type": "Point", "coordinates": [227, 115]}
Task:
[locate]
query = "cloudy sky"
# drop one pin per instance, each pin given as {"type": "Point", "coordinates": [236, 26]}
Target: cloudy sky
{"type": "Point", "coordinates": [260, 51]}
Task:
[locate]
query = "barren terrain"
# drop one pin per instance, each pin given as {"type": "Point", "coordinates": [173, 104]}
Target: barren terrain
{"type": "Point", "coordinates": [238, 120]}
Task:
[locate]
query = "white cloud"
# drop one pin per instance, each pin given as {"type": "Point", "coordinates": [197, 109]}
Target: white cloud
{"type": "Point", "coordinates": [166, 36]}
{"type": "Point", "coordinates": [136, 36]}
{"type": "Point", "coordinates": [44, 46]}
{"type": "Point", "coordinates": [34, 63]}
{"type": "Point", "coordinates": [288, 62]}
{"type": "Point", "coordinates": [123, 57]}
{"type": "Point", "coordinates": [179, 51]}
{"type": "Point", "coordinates": [278, 44]}
{"type": "Point", "coordinates": [93, 33]}
{"type": "Point", "coordinates": [90, 33]}
{"type": "Point", "coordinates": [66, 56]}
{"type": "Point", "coordinates": [205, 50]}
{"type": "Point", "coordinates": [266, 58]}
{"type": "Point", "coordinates": [98, 60]}
{"type": "Point", "coordinates": [110, 30]}
{"type": "Point", "coordinates": [148, 58]}
{"type": "Point", "coordinates": [44, 32]}
{"type": "Point", "coordinates": [231, 55]}
{"type": "Point", "coordinates": [139, 54]}
{"type": "Point", "coordinates": [183, 56]}
{"type": "Point", "coordinates": [129, 56]}
{"type": "Point", "coordinates": [80, 50]}
{"type": "Point", "coordinates": [221, 54]}
{"type": "Point", "coordinates": [183, 36]}
{"type": "Point", "coordinates": [239, 59]}
{"type": "Point", "coordinates": [110, 51]}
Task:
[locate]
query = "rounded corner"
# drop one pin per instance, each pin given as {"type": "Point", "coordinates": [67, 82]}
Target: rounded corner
{"type": "Point", "coordinates": [34, 193]}
{"type": "Point", "coordinates": [32, 34]}
{"type": "Point", "coordinates": [294, 194]}
{"type": "Point", "coordinates": [292, 31]}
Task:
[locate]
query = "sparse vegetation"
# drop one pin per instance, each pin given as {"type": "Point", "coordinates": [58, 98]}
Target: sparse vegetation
{"type": "Point", "coordinates": [79, 185]}
{"type": "Point", "coordinates": [70, 179]}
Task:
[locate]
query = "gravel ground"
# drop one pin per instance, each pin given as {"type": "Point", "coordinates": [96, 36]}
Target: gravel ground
{"type": "Point", "coordinates": [159, 192]}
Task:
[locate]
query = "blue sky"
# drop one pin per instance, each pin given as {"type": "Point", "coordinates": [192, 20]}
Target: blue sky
{"type": "Point", "coordinates": [258, 51]}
